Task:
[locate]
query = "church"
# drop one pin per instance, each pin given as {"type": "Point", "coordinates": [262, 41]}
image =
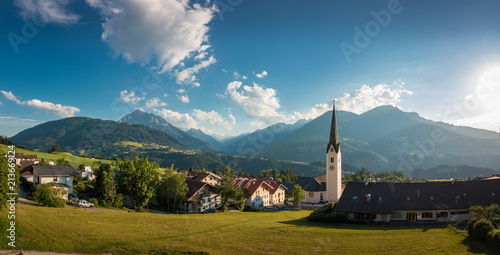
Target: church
{"type": "Point", "coordinates": [326, 188]}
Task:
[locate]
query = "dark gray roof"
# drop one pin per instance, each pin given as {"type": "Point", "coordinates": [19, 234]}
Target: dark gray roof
{"type": "Point", "coordinates": [194, 187]}
{"type": "Point", "coordinates": [334, 136]}
{"type": "Point", "coordinates": [312, 183]}
{"type": "Point", "coordinates": [389, 196]}
{"type": "Point", "coordinates": [55, 170]}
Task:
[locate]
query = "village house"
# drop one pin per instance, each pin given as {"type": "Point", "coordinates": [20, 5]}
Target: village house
{"type": "Point", "coordinates": [60, 175]}
{"type": "Point", "coordinates": [88, 173]}
{"type": "Point", "coordinates": [259, 190]}
{"type": "Point", "coordinates": [277, 194]}
{"type": "Point", "coordinates": [206, 177]}
{"type": "Point", "coordinates": [430, 201]}
{"type": "Point", "coordinates": [24, 161]}
{"type": "Point", "coordinates": [201, 197]}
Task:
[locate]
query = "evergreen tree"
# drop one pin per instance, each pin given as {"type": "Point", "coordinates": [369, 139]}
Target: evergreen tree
{"type": "Point", "coordinates": [55, 148]}
{"type": "Point", "coordinates": [104, 185]}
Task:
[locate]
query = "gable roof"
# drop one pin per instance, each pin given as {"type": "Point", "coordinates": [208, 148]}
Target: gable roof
{"type": "Point", "coordinates": [276, 186]}
{"type": "Point", "coordinates": [194, 176]}
{"type": "Point", "coordinates": [194, 187]}
{"type": "Point", "coordinates": [389, 196]}
{"type": "Point", "coordinates": [312, 183]}
{"type": "Point", "coordinates": [21, 155]}
{"type": "Point", "coordinates": [252, 184]}
{"type": "Point", "coordinates": [66, 170]}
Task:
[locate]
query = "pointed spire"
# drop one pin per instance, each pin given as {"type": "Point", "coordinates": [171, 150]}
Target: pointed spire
{"type": "Point", "coordinates": [334, 136]}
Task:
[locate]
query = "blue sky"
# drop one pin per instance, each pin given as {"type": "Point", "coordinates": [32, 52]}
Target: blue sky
{"type": "Point", "coordinates": [228, 67]}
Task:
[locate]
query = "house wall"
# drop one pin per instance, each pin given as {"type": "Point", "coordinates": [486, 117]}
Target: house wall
{"type": "Point", "coordinates": [314, 197]}
{"type": "Point", "coordinates": [211, 180]}
{"type": "Point", "coordinates": [278, 197]}
{"type": "Point", "coordinates": [68, 180]}
{"type": "Point", "coordinates": [28, 177]}
{"type": "Point", "coordinates": [204, 200]}
{"type": "Point", "coordinates": [451, 215]}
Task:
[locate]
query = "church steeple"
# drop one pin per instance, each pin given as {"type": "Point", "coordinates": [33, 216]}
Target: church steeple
{"type": "Point", "coordinates": [334, 136]}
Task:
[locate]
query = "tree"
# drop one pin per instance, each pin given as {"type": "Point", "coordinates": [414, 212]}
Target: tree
{"type": "Point", "coordinates": [104, 185]}
{"type": "Point", "coordinates": [43, 162]}
{"type": "Point", "coordinates": [138, 179]}
{"type": "Point", "coordinates": [55, 148]}
{"type": "Point", "coordinates": [487, 212]}
{"type": "Point", "coordinates": [298, 195]}
{"type": "Point", "coordinates": [239, 196]}
{"type": "Point", "coordinates": [173, 189]}
{"type": "Point", "coordinates": [225, 190]}
{"type": "Point", "coordinates": [49, 194]}
{"type": "Point", "coordinates": [62, 162]}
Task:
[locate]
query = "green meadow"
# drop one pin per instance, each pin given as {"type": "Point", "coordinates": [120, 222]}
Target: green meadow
{"type": "Point", "coordinates": [75, 161]}
{"type": "Point", "coordinates": [85, 231]}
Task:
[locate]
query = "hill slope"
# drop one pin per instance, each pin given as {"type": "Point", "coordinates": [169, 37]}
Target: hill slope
{"type": "Point", "coordinates": [388, 138]}
{"type": "Point", "coordinates": [90, 136]}
{"type": "Point", "coordinates": [157, 122]}
{"type": "Point", "coordinates": [196, 133]}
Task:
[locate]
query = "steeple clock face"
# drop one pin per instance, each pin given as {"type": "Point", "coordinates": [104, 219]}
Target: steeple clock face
{"type": "Point", "coordinates": [331, 168]}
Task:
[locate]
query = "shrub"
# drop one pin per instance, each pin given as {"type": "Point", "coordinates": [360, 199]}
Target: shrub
{"type": "Point", "coordinates": [249, 208]}
{"type": "Point", "coordinates": [462, 225]}
{"type": "Point", "coordinates": [481, 229]}
{"type": "Point", "coordinates": [94, 201]}
{"type": "Point", "coordinates": [495, 237]}
{"type": "Point", "coordinates": [470, 226]}
{"type": "Point", "coordinates": [48, 194]}
{"type": "Point", "coordinates": [328, 215]}
{"type": "Point", "coordinates": [496, 222]}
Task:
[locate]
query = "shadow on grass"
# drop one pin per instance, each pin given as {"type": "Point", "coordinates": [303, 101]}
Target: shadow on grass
{"type": "Point", "coordinates": [479, 247]}
{"type": "Point", "coordinates": [378, 226]}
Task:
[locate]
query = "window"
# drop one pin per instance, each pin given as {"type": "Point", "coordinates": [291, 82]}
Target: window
{"type": "Point", "coordinates": [397, 215]}
{"type": "Point", "coordinates": [354, 197]}
{"type": "Point", "coordinates": [332, 159]}
{"type": "Point", "coordinates": [442, 215]}
{"type": "Point", "coordinates": [426, 215]}
{"type": "Point", "coordinates": [320, 196]}
{"type": "Point", "coordinates": [55, 179]}
{"type": "Point", "coordinates": [379, 198]}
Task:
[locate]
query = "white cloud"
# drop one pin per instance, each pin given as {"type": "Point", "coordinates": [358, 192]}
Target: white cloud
{"type": "Point", "coordinates": [261, 75]}
{"type": "Point", "coordinates": [47, 11]}
{"type": "Point", "coordinates": [165, 94]}
{"type": "Point", "coordinates": [257, 124]}
{"type": "Point", "coordinates": [196, 84]}
{"type": "Point", "coordinates": [256, 101]}
{"type": "Point", "coordinates": [184, 98]}
{"type": "Point", "coordinates": [181, 120]}
{"type": "Point", "coordinates": [367, 98]}
{"type": "Point", "coordinates": [244, 77]}
{"type": "Point", "coordinates": [213, 117]}
{"type": "Point", "coordinates": [130, 97]}
{"type": "Point", "coordinates": [154, 102]}
{"type": "Point", "coordinates": [168, 32]}
{"type": "Point", "coordinates": [181, 91]}
{"type": "Point", "coordinates": [188, 75]}
{"type": "Point", "coordinates": [233, 120]}
{"type": "Point", "coordinates": [48, 107]}
{"type": "Point", "coordinates": [316, 111]}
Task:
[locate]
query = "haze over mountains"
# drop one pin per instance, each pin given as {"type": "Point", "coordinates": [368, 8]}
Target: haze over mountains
{"type": "Point", "coordinates": [380, 139]}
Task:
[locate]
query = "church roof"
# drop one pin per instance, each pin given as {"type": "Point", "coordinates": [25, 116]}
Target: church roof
{"type": "Point", "coordinates": [385, 197]}
{"type": "Point", "coordinates": [312, 183]}
{"type": "Point", "coordinates": [334, 136]}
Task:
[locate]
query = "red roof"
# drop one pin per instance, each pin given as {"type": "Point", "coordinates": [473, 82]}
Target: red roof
{"type": "Point", "coordinates": [252, 184]}
{"type": "Point", "coordinates": [275, 186]}
{"type": "Point", "coordinates": [21, 155]}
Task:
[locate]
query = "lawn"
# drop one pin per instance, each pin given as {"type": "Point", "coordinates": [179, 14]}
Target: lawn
{"type": "Point", "coordinates": [83, 231]}
{"type": "Point", "coordinates": [75, 161]}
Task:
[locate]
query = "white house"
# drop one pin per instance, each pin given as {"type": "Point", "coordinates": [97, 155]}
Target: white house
{"type": "Point", "coordinates": [201, 197]}
{"type": "Point", "coordinates": [277, 194]}
{"type": "Point", "coordinates": [88, 173]}
{"type": "Point", "coordinates": [259, 190]}
{"type": "Point", "coordinates": [60, 175]}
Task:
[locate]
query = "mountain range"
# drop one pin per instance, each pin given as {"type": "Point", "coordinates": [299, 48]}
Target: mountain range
{"type": "Point", "coordinates": [382, 138]}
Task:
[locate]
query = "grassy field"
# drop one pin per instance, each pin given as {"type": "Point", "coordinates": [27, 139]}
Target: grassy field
{"type": "Point", "coordinates": [73, 160]}
{"type": "Point", "coordinates": [84, 231]}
